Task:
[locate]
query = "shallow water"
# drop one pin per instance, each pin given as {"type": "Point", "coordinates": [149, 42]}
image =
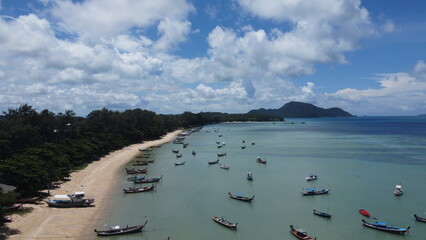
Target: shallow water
{"type": "Point", "coordinates": [360, 159]}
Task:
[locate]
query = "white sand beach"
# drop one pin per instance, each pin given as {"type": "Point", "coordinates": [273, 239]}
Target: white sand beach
{"type": "Point", "coordinates": [96, 180]}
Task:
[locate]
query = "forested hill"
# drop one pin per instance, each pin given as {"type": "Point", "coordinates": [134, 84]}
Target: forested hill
{"type": "Point", "coordinates": [38, 148]}
{"type": "Point", "coordinates": [302, 110]}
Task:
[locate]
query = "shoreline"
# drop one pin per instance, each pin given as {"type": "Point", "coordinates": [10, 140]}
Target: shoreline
{"type": "Point", "coordinates": [96, 180]}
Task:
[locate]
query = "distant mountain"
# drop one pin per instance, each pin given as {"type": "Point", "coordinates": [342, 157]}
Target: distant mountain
{"type": "Point", "coordinates": [302, 110]}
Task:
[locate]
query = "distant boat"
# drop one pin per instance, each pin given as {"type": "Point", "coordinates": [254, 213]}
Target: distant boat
{"type": "Point", "coordinates": [243, 147]}
{"type": "Point", "coordinates": [383, 227]}
{"type": "Point", "coordinates": [193, 152]}
{"type": "Point", "coordinates": [179, 163]}
{"type": "Point", "coordinates": [225, 223]}
{"type": "Point", "coordinates": [364, 212]}
{"type": "Point", "coordinates": [148, 180]}
{"type": "Point", "coordinates": [322, 214]}
{"type": "Point", "coordinates": [119, 231]}
{"type": "Point", "coordinates": [260, 160]}
{"type": "Point", "coordinates": [67, 201]}
{"type": "Point", "coordinates": [220, 135]}
{"type": "Point", "coordinates": [311, 177]}
{"type": "Point", "coordinates": [219, 146]}
{"type": "Point", "coordinates": [145, 150]}
{"type": "Point", "coordinates": [398, 190]}
{"type": "Point", "coordinates": [179, 155]}
{"type": "Point", "coordinates": [138, 190]}
{"type": "Point", "coordinates": [224, 166]}
{"type": "Point", "coordinates": [140, 163]}
{"type": "Point", "coordinates": [221, 154]}
{"type": "Point", "coordinates": [185, 145]}
{"type": "Point", "coordinates": [252, 143]}
{"type": "Point", "coordinates": [175, 150]}
{"type": "Point", "coordinates": [420, 219]}
{"type": "Point", "coordinates": [313, 191]}
{"type": "Point", "coordinates": [249, 176]}
{"type": "Point", "coordinates": [214, 162]}
{"type": "Point", "coordinates": [300, 233]}
{"type": "Point", "coordinates": [135, 178]}
{"type": "Point", "coordinates": [241, 197]}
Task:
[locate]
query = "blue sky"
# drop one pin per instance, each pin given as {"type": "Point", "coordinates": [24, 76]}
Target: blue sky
{"type": "Point", "coordinates": [171, 56]}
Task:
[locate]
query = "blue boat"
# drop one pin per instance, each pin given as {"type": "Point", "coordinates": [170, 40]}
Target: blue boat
{"type": "Point", "coordinates": [383, 227]}
{"type": "Point", "coordinates": [313, 191]}
{"type": "Point", "coordinates": [135, 178]}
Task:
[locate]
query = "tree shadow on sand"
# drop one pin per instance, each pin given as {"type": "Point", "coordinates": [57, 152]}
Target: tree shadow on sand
{"type": "Point", "coordinates": [5, 232]}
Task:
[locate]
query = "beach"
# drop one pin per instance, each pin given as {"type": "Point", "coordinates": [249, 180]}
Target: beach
{"type": "Point", "coordinates": [96, 180]}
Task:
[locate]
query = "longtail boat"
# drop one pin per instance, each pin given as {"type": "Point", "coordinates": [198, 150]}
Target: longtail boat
{"type": "Point", "coordinates": [383, 227]}
{"type": "Point", "coordinates": [225, 223]}
{"type": "Point", "coordinates": [214, 162]}
{"type": "Point", "coordinates": [300, 233]}
{"type": "Point", "coordinates": [68, 201]}
{"type": "Point", "coordinates": [241, 197]}
{"type": "Point", "coordinates": [136, 171]}
{"type": "Point", "coordinates": [420, 219]}
{"type": "Point", "coordinates": [119, 231]}
{"type": "Point", "coordinates": [322, 214]}
{"type": "Point", "coordinates": [313, 191]}
{"type": "Point", "coordinates": [221, 154]}
{"type": "Point", "coordinates": [179, 163]}
{"type": "Point", "coordinates": [148, 180]}
{"type": "Point", "coordinates": [260, 160]}
{"type": "Point", "coordinates": [138, 190]}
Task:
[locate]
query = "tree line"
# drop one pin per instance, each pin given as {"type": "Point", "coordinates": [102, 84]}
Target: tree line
{"type": "Point", "coordinates": [38, 148]}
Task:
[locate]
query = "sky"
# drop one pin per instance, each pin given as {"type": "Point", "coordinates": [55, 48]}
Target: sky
{"type": "Point", "coordinates": [171, 56]}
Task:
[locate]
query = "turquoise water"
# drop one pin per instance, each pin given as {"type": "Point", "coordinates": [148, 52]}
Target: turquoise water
{"type": "Point", "coordinates": [360, 159]}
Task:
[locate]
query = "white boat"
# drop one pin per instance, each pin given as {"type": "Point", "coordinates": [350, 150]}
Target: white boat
{"type": "Point", "coordinates": [398, 190]}
{"type": "Point", "coordinates": [311, 177]}
{"type": "Point", "coordinates": [223, 166]}
{"type": "Point", "coordinates": [249, 176]}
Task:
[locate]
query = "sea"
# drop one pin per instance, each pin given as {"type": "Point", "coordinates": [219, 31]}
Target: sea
{"type": "Point", "coordinates": [361, 160]}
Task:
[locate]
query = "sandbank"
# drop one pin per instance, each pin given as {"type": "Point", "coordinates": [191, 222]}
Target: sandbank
{"type": "Point", "coordinates": [96, 180]}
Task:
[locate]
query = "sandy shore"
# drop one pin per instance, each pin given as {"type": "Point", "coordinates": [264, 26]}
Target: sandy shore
{"type": "Point", "coordinates": [96, 180]}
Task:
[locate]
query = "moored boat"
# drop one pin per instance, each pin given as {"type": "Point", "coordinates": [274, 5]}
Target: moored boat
{"type": "Point", "coordinates": [138, 190]}
{"type": "Point", "coordinates": [179, 163]}
{"type": "Point", "coordinates": [140, 163]}
{"type": "Point", "coordinates": [224, 166]}
{"type": "Point", "coordinates": [241, 197]}
{"type": "Point", "coordinates": [119, 231]}
{"type": "Point", "coordinates": [148, 180]}
{"type": "Point", "coordinates": [213, 162]}
{"type": "Point", "coordinates": [175, 150]}
{"type": "Point", "coordinates": [313, 191]}
{"type": "Point", "coordinates": [193, 152]}
{"type": "Point", "coordinates": [420, 219]}
{"type": "Point", "coordinates": [300, 233]}
{"type": "Point", "coordinates": [322, 214]}
{"type": "Point", "coordinates": [398, 190]}
{"type": "Point", "coordinates": [221, 154]}
{"type": "Point", "coordinates": [260, 160]}
{"type": "Point", "coordinates": [364, 212]}
{"type": "Point", "coordinates": [135, 178]}
{"type": "Point", "coordinates": [243, 147]}
{"type": "Point", "coordinates": [179, 155]}
{"type": "Point", "coordinates": [383, 227]}
{"type": "Point", "coordinates": [250, 176]}
{"type": "Point", "coordinates": [311, 177]}
{"type": "Point", "coordinates": [136, 171]}
{"type": "Point", "coordinates": [225, 223]}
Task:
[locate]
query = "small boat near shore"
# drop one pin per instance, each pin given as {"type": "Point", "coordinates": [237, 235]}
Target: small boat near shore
{"type": "Point", "coordinates": [138, 190]}
{"type": "Point", "coordinates": [398, 190]}
{"type": "Point", "coordinates": [136, 171]}
{"type": "Point", "coordinates": [213, 162]}
{"type": "Point", "coordinates": [148, 180]}
{"type": "Point", "coordinates": [313, 191]}
{"type": "Point", "coordinates": [260, 160]}
{"type": "Point", "coordinates": [225, 223]}
{"type": "Point", "coordinates": [221, 154]}
{"type": "Point", "coordinates": [226, 167]}
{"type": "Point", "coordinates": [175, 150]}
{"type": "Point", "coordinates": [120, 231]}
{"type": "Point", "coordinates": [179, 163]}
{"type": "Point", "coordinates": [241, 197]}
{"type": "Point", "coordinates": [364, 212]}
{"type": "Point", "coordinates": [135, 178]}
{"type": "Point", "coordinates": [140, 163]}
{"type": "Point", "coordinates": [383, 227]}
{"type": "Point", "coordinates": [68, 201]}
{"type": "Point", "coordinates": [300, 233]}
{"type": "Point", "coordinates": [311, 177]}
{"type": "Point", "coordinates": [420, 219]}
{"type": "Point", "coordinates": [322, 214]}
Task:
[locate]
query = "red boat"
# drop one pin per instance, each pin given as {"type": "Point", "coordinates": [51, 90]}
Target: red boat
{"type": "Point", "coordinates": [364, 212]}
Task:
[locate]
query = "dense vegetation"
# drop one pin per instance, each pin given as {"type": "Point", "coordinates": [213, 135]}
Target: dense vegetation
{"type": "Point", "coordinates": [38, 148]}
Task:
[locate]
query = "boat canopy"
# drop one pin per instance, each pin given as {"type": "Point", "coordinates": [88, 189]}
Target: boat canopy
{"type": "Point", "coordinates": [311, 189]}
{"type": "Point", "coordinates": [398, 186]}
{"type": "Point", "coordinates": [62, 196]}
{"type": "Point", "coordinates": [381, 224]}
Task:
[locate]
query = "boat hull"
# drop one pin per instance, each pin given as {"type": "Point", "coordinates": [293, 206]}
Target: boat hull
{"type": "Point", "coordinates": [394, 230]}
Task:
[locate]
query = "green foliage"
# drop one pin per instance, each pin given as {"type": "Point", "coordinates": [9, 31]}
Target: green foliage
{"type": "Point", "coordinates": [37, 148]}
